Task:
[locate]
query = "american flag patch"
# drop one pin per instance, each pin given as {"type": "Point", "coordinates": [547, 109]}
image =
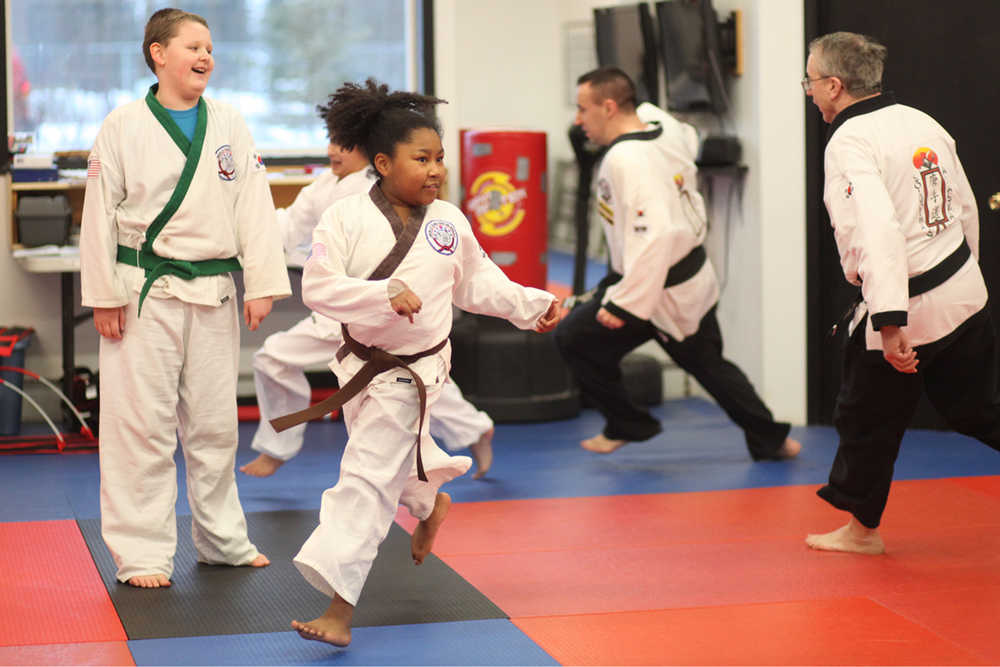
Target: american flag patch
{"type": "Point", "coordinates": [93, 167]}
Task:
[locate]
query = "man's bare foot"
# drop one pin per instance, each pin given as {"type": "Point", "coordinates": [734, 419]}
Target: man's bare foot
{"type": "Point", "coordinates": [422, 540]}
{"type": "Point", "coordinates": [482, 453]}
{"type": "Point", "coordinates": [333, 627]}
{"type": "Point", "coordinates": [260, 561]}
{"type": "Point", "coordinates": [149, 581]}
{"type": "Point", "coordinates": [262, 466]}
{"type": "Point", "coordinates": [853, 538]}
{"type": "Point", "coordinates": [790, 449]}
{"type": "Point", "coordinates": [602, 445]}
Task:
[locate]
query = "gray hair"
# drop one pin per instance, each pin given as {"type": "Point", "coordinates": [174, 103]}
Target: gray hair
{"type": "Point", "coordinates": [857, 60]}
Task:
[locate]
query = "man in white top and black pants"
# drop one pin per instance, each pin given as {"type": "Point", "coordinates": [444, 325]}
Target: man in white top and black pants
{"type": "Point", "coordinates": [907, 229]}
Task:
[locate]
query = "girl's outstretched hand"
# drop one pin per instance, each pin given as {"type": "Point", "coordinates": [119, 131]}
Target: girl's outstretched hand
{"type": "Point", "coordinates": [550, 319]}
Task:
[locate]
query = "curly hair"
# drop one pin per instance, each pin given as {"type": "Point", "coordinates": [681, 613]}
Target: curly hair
{"type": "Point", "coordinates": [375, 119]}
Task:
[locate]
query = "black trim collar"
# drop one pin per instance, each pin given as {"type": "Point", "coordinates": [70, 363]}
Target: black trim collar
{"type": "Point", "coordinates": [868, 105]}
{"type": "Point", "coordinates": [645, 135]}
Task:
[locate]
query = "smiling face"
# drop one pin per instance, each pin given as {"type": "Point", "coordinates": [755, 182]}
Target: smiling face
{"type": "Point", "coordinates": [345, 162]}
{"type": "Point", "coordinates": [184, 64]}
{"type": "Point", "coordinates": [415, 172]}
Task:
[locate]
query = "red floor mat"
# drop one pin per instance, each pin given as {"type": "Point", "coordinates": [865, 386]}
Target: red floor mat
{"type": "Point", "coordinates": [95, 653]}
{"type": "Point", "coordinates": [849, 631]}
{"type": "Point", "coordinates": [50, 591]}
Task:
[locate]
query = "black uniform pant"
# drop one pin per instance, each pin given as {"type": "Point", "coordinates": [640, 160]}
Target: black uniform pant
{"type": "Point", "coordinates": [594, 353]}
{"type": "Point", "coordinates": [876, 403]}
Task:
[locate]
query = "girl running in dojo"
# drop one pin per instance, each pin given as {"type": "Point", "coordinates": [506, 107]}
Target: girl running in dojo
{"type": "Point", "coordinates": [390, 264]}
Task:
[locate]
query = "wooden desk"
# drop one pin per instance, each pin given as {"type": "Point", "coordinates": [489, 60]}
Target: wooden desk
{"type": "Point", "coordinates": [67, 263]}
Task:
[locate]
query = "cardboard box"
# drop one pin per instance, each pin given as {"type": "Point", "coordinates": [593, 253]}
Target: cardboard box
{"type": "Point", "coordinates": [43, 219]}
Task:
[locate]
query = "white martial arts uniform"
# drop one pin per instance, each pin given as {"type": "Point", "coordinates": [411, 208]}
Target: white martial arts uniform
{"type": "Point", "coordinates": [279, 365]}
{"type": "Point", "coordinates": [894, 218]}
{"type": "Point", "coordinates": [174, 370]}
{"type": "Point", "coordinates": [445, 265]}
{"type": "Point", "coordinates": [648, 233]}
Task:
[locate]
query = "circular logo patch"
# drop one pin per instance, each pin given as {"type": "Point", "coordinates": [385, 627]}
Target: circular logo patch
{"type": "Point", "coordinates": [442, 236]}
{"type": "Point", "coordinates": [227, 164]}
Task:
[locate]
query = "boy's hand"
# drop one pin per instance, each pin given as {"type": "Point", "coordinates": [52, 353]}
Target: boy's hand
{"type": "Point", "coordinates": [110, 322]}
{"type": "Point", "coordinates": [550, 319]}
{"type": "Point", "coordinates": [897, 351]}
{"type": "Point", "coordinates": [255, 310]}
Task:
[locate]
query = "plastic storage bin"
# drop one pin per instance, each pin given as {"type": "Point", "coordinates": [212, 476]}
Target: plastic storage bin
{"type": "Point", "coordinates": [13, 343]}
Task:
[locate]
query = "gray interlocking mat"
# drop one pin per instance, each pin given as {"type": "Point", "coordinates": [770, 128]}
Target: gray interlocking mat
{"type": "Point", "coordinates": [219, 600]}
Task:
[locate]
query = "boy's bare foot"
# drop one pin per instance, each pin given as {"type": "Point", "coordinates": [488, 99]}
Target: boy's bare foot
{"type": "Point", "coordinates": [262, 466]}
{"type": "Point", "coordinates": [853, 538]}
{"type": "Point", "coordinates": [260, 561]}
{"type": "Point", "coordinates": [482, 453]}
{"type": "Point", "coordinates": [149, 581]}
{"type": "Point", "coordinates": [422, 540]}
{"type": "Point", "coordinates": [602, 445]}
{"type": "Point", "coordinates": [790, 449]}
{"type": "Point", "coordinates": [333, 627]}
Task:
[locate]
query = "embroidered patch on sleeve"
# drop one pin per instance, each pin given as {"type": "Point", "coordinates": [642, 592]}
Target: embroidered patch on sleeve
{"type": "Point", "coordinates": [93, 167]}
{"type": "Point", "coordinates": [258, 161]}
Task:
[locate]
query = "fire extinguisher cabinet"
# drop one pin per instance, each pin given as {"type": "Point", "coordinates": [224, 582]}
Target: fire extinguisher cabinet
{"type": "Point", "coordinates": [504, 196]}
{"type": "Point", "coordinates": [513, 375]}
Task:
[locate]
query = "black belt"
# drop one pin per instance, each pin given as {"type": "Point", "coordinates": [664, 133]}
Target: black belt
{"type": "Point", "coordinates": [682, 271]}
{"type": "Point", "coordinates": [921, 283]}
{"type": "Point", "coordinates": [376, 361]}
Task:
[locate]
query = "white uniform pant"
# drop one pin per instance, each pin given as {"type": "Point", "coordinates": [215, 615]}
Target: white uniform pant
{"type": "Point", "coordinates": [377, 474]}
{"type": "Point", "coordinates": [282, 388]}
{"type": "Point", "coordinates": [173, 373]}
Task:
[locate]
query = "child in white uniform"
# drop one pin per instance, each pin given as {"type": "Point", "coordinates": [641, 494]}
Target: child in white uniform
{"type": "Point", "coordinates": [279, 365]}
{"type": "Point", "coordinates": [390, 264]}
{"type": "Point", "coordinates": [168, 213]}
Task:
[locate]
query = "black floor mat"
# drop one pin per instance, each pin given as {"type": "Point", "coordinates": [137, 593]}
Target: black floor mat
{"type": "Point", "coordinates": [218, 600]}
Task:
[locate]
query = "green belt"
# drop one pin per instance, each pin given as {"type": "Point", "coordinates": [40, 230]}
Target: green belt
{"type": "Point", "coordinates": [156, 266]}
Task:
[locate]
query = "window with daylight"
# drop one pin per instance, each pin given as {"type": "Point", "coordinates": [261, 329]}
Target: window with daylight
{"type": "Point", "coordinates": [72, 62]}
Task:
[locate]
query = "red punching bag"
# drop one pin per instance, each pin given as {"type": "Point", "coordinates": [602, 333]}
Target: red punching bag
{"type": "Point", "coordinates": [504, 197]}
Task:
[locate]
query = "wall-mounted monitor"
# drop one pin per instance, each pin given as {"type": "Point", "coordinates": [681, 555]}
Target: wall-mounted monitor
{"type": "Point", "coordinates": [692, 58]}
{"type": "Point", "coordinates": [626, 38]}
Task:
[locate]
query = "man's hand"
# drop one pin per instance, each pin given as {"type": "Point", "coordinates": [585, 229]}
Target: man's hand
{"type": "Point", "coordinates": [110, 322]}
{"type": "Point", "coordinates": [609, 320]}
{"type": "Point", "coordinates": [255, 310]}
{"type": "Point", "coordinates": [550, 319]}
{"type": "Point", "coordinates": [897, 351]}
{"type": "Point", "coordinates": [405, 302]}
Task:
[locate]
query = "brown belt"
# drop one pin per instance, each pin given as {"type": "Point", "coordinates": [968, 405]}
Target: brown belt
{"type": "Point", "coordinates": [376, 361]}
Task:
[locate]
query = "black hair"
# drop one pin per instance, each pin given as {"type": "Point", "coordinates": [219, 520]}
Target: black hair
{"type": "Point", "coordinates": [610, 82]}
{"type": "Point", "coordinates": [371, 117]}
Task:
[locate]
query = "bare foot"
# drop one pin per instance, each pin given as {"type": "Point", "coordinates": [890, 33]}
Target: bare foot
{"type": "Point", "coordinates": [853, 538]}
{"type": "Point", "coordinates": [149, 581]}
{"type": "Point", "coordinates": [333, 627]}
{"type": "Point", "coordinates": [482, 453]}
{"type": "Point", "coordinates": [262, 466]}
{"type": "Point", "coordinates": [423, 536]}
{"type": "Point", "coordinates": [790, 449]}
{"type": "Point", "coordinates": [260, 561]}
{"type": "Point", "coordinates": [602, 445]}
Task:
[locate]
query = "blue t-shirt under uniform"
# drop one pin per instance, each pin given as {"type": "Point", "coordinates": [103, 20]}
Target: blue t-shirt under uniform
{"type": "Point", "coordinates": [186, 120]}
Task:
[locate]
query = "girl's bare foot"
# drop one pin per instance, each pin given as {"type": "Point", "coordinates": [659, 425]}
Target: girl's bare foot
{"type": "Point", "coordinates": [149, 581]}
{"type": "Point", "coordinates": [602, 445]}
{"type": "Point", "coordinates": [854, 538]}
{"type": "Point", "coordinates": [333, 627]}
{"type": "Point", "coordinates": [262, 466]}
{"type": "Point", "coordinates": [260, 561]}
{"type": "Point", "coordinates": [482, 453]}
{"type": "Point", "coordinates": [422, 540]}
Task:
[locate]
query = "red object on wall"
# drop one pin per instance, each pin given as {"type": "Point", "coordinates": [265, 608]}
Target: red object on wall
{"type": "Point", "coordinates": [504, 196]}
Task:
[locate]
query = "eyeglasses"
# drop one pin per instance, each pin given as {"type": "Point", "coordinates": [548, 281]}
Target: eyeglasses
{"type": "Point", "coordinates": [807, 82]}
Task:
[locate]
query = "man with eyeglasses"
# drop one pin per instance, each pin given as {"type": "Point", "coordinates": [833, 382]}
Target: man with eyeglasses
{"type": "Point", "coordinates": [907, 229]}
